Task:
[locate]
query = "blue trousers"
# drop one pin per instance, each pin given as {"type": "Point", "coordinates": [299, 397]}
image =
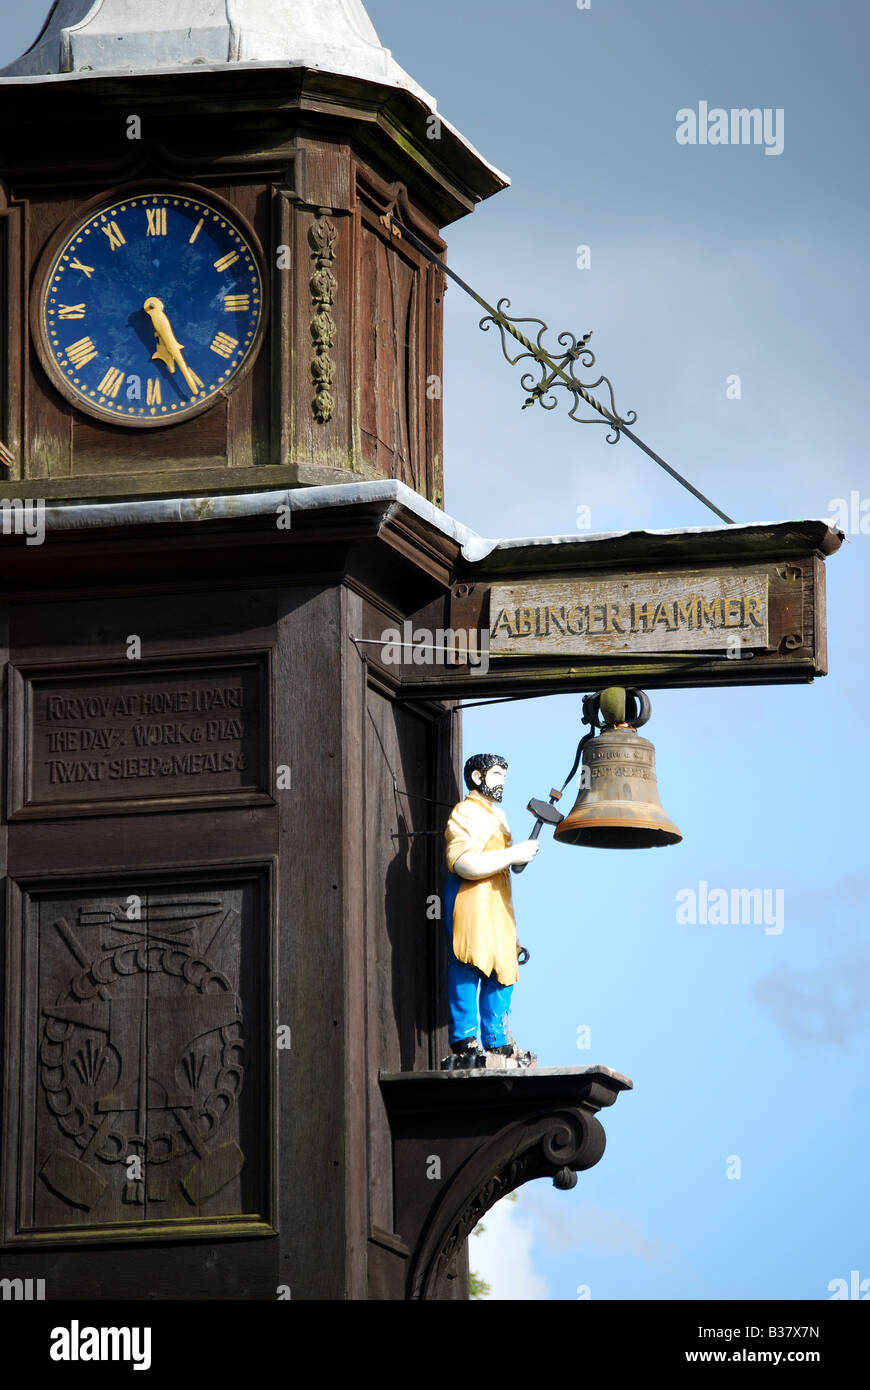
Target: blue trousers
{"type": "Point", "coordinates": [470, 992]}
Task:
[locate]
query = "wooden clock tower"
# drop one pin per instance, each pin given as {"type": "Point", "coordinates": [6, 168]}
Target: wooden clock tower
{"type": "Point", "coordinates": [222, 807]}
{"type": "Point", "coordinates": [238, 172]}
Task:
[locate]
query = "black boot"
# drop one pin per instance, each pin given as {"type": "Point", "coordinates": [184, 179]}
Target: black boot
{"type": "Point", "coordinates": [467, 1052]}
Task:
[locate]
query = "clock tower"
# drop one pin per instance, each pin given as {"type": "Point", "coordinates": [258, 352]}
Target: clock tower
{"type": "Point", "coordinates": [199, 290]}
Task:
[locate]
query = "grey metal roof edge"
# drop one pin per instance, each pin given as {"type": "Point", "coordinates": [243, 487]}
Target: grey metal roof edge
{"type": "Point", "coordinates": [251, 64]}
{"type": "Point", "coordinates": [394, 494]}
{"type": "Point", "coordinates": [79, 516]}
{"type": "Point", "coordinates": [718, 529]}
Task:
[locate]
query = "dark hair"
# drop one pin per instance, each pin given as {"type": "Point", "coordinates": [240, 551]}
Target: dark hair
{"type": "Point", "coordinates": [482, 762]}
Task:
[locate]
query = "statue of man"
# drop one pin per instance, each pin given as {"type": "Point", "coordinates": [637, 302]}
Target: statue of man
{"type": "Point", "coordinates": [481, 931]}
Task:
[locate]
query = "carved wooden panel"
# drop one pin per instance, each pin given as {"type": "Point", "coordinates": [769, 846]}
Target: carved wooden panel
{"type": "Point", "coordinates": [143, 1071]}
{"type": "Point", "coordinates": [314, 298]}
{"type": "Point", "coordinates": [134, 739]}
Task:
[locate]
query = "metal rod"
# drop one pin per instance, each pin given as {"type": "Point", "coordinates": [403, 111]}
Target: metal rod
{"type": "Point", "coordinates": [556, 370]}
{"type": "Point", "coordinates": [674, 474]}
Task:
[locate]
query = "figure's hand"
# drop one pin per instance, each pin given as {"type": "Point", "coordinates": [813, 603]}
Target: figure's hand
{"type": "Point", "coordinates": [525, 851]}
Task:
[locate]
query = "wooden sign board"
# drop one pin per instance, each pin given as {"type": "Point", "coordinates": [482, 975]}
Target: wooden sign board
{"type": "Point", "coordinates": [677, 612]}
{"type": "Point", "coordinates": [743, 621]}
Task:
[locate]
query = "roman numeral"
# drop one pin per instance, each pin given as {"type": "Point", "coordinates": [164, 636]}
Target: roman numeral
{"type": "Point", "coordinates": [115, 235]}
{"type": "Point", "coordinates": [156, 221]}
{"type": "Point", "coordinates": [152, 391]}
{"type": "Point", "coordinates": [87, 270]}
{"type": "Point", "coordinates": [237, 303]}
{"type": "Point", "coordinates": [226, 261]}
{"type": "Point", "coordinates": [111, 383]}
{"type": "Point", "coordinates": [71, 311]}
{"type": "Point", "coordinates": [224, 345]}
{"type": "Point", "coordinates": [196, 231]}
{"type": "Point", "coordinates": [81, 353]}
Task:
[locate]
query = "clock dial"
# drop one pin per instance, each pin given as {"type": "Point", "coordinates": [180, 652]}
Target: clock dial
{"type": "Point", "coordinates": [151, 308]}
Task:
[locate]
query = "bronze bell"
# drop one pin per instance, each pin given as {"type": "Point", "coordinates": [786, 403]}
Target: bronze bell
{"type": "Point", "coordinates": [618, 806]}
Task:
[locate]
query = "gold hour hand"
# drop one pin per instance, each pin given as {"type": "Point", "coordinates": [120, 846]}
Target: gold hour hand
{"type": "Point", "coordinates": [169, 350]}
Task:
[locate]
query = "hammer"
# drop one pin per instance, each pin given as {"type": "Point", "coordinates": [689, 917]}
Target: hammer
{"type": "Point", "coordinates": [545, 813]}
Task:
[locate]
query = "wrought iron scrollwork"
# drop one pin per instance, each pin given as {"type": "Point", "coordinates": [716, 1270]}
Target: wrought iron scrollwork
{"type": "Point", "coordinates": [557, 373]}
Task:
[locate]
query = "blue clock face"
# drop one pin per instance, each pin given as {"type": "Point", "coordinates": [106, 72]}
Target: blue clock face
{"type": "Point", "coordinates": [151, 308]}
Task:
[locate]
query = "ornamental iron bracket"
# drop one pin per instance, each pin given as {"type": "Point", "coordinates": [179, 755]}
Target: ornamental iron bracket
{"type": "Point", "coordinates": [555, 374]}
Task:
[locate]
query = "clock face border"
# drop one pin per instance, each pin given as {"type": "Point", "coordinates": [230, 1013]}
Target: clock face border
{"type": "Point", "coordinates": [83, 214]}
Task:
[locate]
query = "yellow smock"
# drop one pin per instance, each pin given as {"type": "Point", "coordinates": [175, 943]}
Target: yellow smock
{"type": "Point", "coordinates": [484, 929]}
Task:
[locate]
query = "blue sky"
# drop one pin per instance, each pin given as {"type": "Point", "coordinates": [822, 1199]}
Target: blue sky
{"type": "Point", "coordinates": [706, 261]}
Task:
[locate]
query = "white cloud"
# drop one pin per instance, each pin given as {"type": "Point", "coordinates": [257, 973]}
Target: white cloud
{"type": "Point", "coordinates": [566, 1225]}
{"type": "Point", "coordinates": [502, 1256]}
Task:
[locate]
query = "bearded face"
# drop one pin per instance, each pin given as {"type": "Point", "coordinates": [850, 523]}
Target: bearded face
{"type": "Point", "coordinates": [491, 785]}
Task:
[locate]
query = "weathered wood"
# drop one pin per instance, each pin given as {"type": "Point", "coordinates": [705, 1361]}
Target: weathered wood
{"type": "Point", "coordinates": [13, 350]}
{"type": "Point", "coordinates": [631, 614]}
{"type": "Point", "coordinates": [351, 787]}
{"type": "Point", "coordinates": [385, 306]}
{"type": "Point", "coordinates": [314, 969]}
{"type": "Point", "coordinates": [344, 936]}
{"type": "Point", "coordinates": [655, 624]}
{"type": "Point", "coordinates": [119, 739]}
{"type": "Point", "coordinates": [817, 613]}
{"type": "Point", "coordinates": [283, 394]}
{"type": "Point", "coordinates": [402, 874]}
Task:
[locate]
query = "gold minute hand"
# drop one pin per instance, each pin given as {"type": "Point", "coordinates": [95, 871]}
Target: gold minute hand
{"type": "Point", "coordinates": [169, 349]}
